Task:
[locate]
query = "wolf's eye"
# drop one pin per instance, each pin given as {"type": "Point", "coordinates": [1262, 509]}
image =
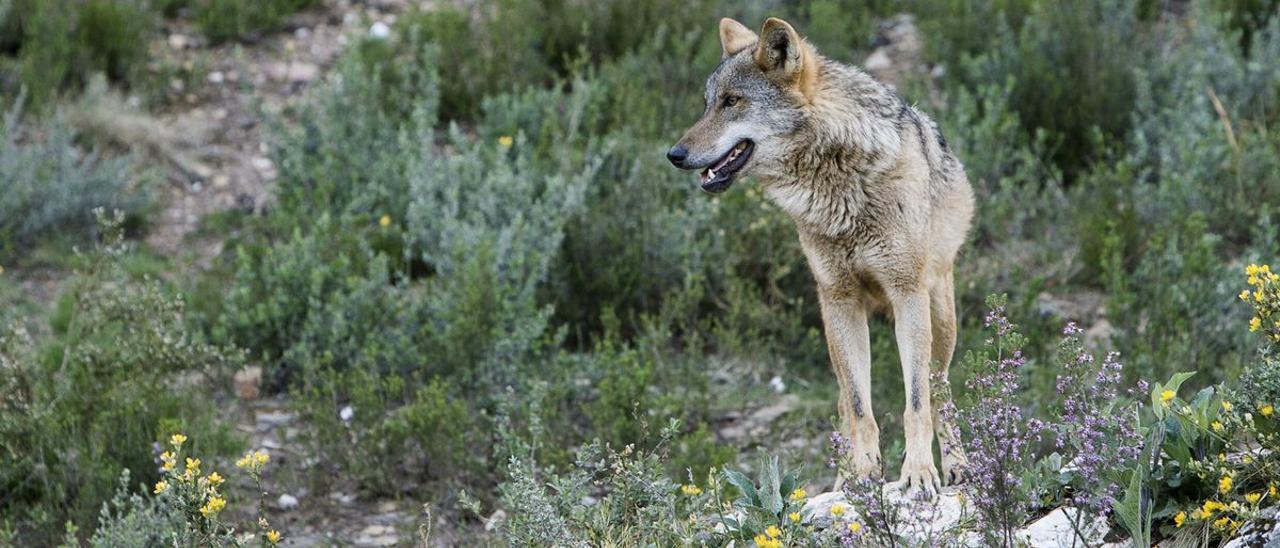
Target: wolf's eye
{"type": "Point", "coordinates": [730, 100]}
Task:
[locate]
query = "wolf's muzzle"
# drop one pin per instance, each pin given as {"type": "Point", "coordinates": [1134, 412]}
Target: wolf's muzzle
{"type": "Point", "coordinates": [677, 155]}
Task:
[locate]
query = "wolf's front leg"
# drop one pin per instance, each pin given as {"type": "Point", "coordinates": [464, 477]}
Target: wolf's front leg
{"type": "Point", "coordinates": [849, 344]}
{"type": "Point", "coordinates": [915, 341]}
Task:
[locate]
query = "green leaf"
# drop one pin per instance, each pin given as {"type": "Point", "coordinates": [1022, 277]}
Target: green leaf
{"type": "Point", "coordinates": [744, 485]}
{"type": "Point", "coordinates": [770, 486]}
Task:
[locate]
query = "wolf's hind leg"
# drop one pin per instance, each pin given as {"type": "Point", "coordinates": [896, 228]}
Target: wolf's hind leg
{"type": "Point", "coordinates": [849, 344]}
{"type": "Point", "coordinates": [943, 315]}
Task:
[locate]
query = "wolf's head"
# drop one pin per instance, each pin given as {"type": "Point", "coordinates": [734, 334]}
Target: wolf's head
{"type": "Point", "coordinates": [754, 100]}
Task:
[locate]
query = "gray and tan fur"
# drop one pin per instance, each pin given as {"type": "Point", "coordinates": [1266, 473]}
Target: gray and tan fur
{"type": "Point", "coordinates": [881, 206]}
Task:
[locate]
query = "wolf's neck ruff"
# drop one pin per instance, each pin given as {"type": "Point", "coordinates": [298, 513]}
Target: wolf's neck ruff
{"type": "Point", "coordinates": [846, 145]}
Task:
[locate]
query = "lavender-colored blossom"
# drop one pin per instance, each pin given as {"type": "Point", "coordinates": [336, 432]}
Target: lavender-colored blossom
{"type": "Point", "coordinates": [1001, 438]}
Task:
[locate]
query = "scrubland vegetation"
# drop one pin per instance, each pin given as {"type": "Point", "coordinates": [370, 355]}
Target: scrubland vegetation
{"type": "Point", "coordinates": [480, 287]}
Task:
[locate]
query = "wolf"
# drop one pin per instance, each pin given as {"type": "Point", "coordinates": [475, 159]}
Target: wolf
{"type": "Point", "coordinates": [881, 206]}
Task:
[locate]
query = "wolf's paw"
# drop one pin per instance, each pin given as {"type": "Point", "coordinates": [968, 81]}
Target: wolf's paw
{"type": "Point", "coordinates": [918, 478]}
{"type": "Point", "coordinates": [954, 468]}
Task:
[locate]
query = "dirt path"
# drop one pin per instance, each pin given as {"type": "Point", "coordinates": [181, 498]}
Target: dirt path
{"type": "Point", "coordinates": [219, 161]}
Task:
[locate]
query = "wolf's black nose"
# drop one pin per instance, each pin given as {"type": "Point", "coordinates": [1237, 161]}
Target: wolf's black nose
{"type": "Point", "coordinates": [677, 154]}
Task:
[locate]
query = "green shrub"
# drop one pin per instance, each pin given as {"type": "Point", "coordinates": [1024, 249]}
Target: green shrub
{"type": "Point", "coordinates": [48, 185]}
{"type": "Point", "coordinates": [60, 44]}
{"type": "Point", "coordinates": [118, 374]}
{"type": "Point", "coordinates": [222, 20]}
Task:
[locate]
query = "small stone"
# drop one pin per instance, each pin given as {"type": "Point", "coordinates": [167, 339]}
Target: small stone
{"type": "Point", "coordinates": [178, 41]}
{"type": "Point", "coordinates": [346, 413]}
{"type": "Point", "coordinates": [777, 385]}
{"type": "Point", "coordinates": [302, 72]}
{"type": "Point", "coordinates": [216, 77]}
{"type": "Point", "coordinates": [495, 520]}
{"type": "Point", "coordinates": [379, 31]}
{"type": "Point", "coordinates": [287, 502]}
{"type": "Point", "coordinates": [302, 33]}
{"type": "Point", "coordinates": [248, 382]}
{"type": "Point", "coordinates": [264, 166]}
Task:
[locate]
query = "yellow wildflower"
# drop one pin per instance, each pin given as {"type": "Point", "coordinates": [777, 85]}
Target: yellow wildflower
{"type": "Point", "coordinates": [273, 536]}
{"type": "Point", "coordinates": [167, 461]}
{"type": "Point", "coordinates": [193, 466]}
{"type": "Point", "coordinates": [794, 517]}
{"type": "Point", "coordinates": [763, 541]}
{"type": "Point", "coordinates": [1267, 410]}
{"type": "Point", "coordinates": [773, 531]}
{"type": "Point", "coordinates": [245, 461]}
{"type": "Point", "coordinates": [1244, 295]}
{"type": "Point", "coordinates": [1253, 280]}
{"type": "Point", "coordinates": [385, 221]}
{"type": "Point", "coordinates": [799, 494]}
{"type": "Point", "coordinates": [1179, 519]}
{"type": "Point", "coordinates": [854, 527]}
{"type": "Point", "coordinates": [1166, 396]}
{"type": "Point", "coordinates": [177, 440]}
{"type": "Point", "coordinates": [837, 510]}
{"type": "Point", "coordinates": [1217, 426]}
{"type": "Point", "coordinates": [1273, 491]}
{"type": "Point", "coordinates": [215, 479]}
{"type": "Point", "coordinates": [506, 141]}
{"type": "Point", "coordinates": [1226, 406]}
{"type": "Point", "coordinates": [1251, 270]}
{"type": "Point", "coordinates": [1253, 498]}
{"type": "Point", "coordinates": [691, 490]}
{"type": "Point", "coordinates": [1257, 295]}
{"type": "Point", "coordinates": [1197, 514]}
{"type": "Point", "coordinates": [1222, 523]}
{"type": "Point", "coordinates": [161, 486]}
{"type": "Point", "coordinates": [1210, 506]}
{"type": "Point", "coordinates": [261, 457]}
{"type": "Point", "coordinates": [1224, 484]}
{"type": "Point", "coordinates": [211, 508]}
{"type": "Point", "coordinates": [1254, 324]}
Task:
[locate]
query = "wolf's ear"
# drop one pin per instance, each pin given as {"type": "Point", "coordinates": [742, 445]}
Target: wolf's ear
{"type": "Point", "coordinates": [734, 37]}
{"type": "Point", "coordinates": [781, 51]}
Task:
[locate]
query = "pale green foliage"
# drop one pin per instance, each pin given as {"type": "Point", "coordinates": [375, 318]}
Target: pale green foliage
{"type": "Point", "coordinates": [48, 185]}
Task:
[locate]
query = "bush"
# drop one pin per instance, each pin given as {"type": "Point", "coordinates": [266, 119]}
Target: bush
{"type": "Point", "coordinates": [48, 186]}
{"type": "Point", "coordinates": [223, 20]}
{"type": "Point", "coordinates": [60, 44]}
{"type": "Point", "coordinates": [116, 376]}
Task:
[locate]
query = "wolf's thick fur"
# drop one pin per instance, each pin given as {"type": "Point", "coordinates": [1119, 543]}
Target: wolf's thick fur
{"type": "Point", "coordinates": [881, 206]}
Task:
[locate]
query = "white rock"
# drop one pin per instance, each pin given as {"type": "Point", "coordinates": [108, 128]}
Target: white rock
{"type": "Point", "coordinates": [777, 385]}
{"type": "Point", "coordinates": [346, 413]}
{"type": "Point", "coordinates": [177, 41]}
{"type": "Point", "coordinates": [1055, 529]}
{"type": "Point", "coordinates": [302, 72]}
{"type": "Point", "coordinates": [216, 77]}
{"type": "Point", "coordinates": [379, 31]}
{"type": "Point", "coordinates": [287, 502]}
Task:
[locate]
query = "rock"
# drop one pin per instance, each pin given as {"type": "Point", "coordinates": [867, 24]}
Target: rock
{"type": "Point", "coordinates": [899, 50]}
{"type": "Point", "coordinates": [379, 31]}
{"type": "Point", "coordinates": [377, 535]}
{"type": "Point", "coordinates": [777, 385]}
{"type": "Point", "coordinates": [1055, 529]}
{"type": "Point", "coordinates": [264, 166]}
{"type": "Point", "coordinates": [1099, 334]}
{"type": "Point", "coordinates": [495, 520]}
{"type": "Point", "coordinates": [216, 77]}
{"type": "Point", "coordinates": [287, 502]}
{"type": "Point", "coordinates": [932, 520]}
{"type": "Point", "coordinates": [346, 413]}
{"type": "Point", "coordinates": [178, 41]}
{"type": "Point", "coordinates": [302, 72]}
{"type": "Point", "coordinates": [248, 382]}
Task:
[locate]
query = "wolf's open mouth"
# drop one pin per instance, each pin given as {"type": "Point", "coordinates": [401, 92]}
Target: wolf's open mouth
{"type": "Point", "coordinates": [719, 176]}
